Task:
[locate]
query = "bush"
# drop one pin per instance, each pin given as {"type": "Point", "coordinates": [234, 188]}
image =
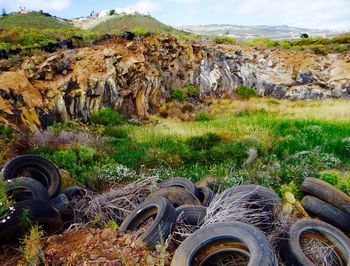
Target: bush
{"type": "Point", "coordinates": [191, 90]}
{"type": "Point", "coordinates": [224, 39]}
{"type": "Point", "coordinates": [107, 117]}
{"type": "Point", "coordinates": [81, 161]}
{"type": "Point", "coordinates": [335, 179]}
{"type": "Point", "coordinates": [179, 94]}
{"type": "Point", "coordinates": [112, 12]}
{"type": "Point", "coordinates": [246, 92]}
{"type": "Point", "coordinates": [202, 117]}
{"type": "Point", "coordinates": [204, 142]}
{"type": "Point", "coordinates": [115, 132]}
{"type": "Point", "coordinates": [264, 42]}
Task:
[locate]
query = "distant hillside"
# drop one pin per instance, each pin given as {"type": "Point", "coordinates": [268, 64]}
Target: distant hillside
{"type": "Point", "coordinates": [251, 32]}
{"type": "Point", "coordinates": [117, 24]}
{"type": "Point", "coordinates": [32, 20]}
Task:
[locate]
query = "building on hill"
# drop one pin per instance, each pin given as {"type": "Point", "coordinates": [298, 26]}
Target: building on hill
{"type": "Point", "coordinates": [23, 10]}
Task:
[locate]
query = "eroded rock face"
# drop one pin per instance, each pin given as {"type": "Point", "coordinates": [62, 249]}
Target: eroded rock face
{"type": "Point", "coordinates": [135, 78]}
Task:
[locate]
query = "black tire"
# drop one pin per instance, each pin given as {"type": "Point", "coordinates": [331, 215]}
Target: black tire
{"type": "Point", "coordinates": [191, 214]}
{"type": "Point", "coordinates": [257, 198]}
{"type": "Point", "coordinates": [25, 188]}
{"type": "Point", "coordinates": [60, 202]}
{"type": "Point", "coordinates": [293, 252]}
{"type": "Point", "coordinates": [177, 196]}
{"type": "Point", "coordinates": [205, 195]}
{"type": "Point", "coordinates": [36, 167]}
{"type": "Point", "coordinates": [74, 192]}
{"type": "Point", "coordinates": [164, 220]}
{"type": "Point", "coordinates": [327, 212]}
{"type": "Point", "coordinates": [327, 193]}
{"type": "Point", "coordinates": [38, 211]}
{"type": "Point", "coordinates": [221, 238]}
{"type": "Point", "coordinates": [179, 182]}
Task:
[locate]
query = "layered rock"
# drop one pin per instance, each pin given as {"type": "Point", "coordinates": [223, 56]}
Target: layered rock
{"type": "Point", "coordinates": [136, 77]}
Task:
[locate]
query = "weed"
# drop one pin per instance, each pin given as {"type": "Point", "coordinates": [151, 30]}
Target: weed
{"type": "Point", "coordinates": [32, 247]}
{"type": "Point", "coordinates": [178, 94]}
{"type": "Point", "coordinates": [112, 225]}
{"type": "Point", "coordinates": [245, 92]}
{"type": "Point", "coordinates": [107, 117]}
{"type": "Point", "coordinates": [224, 39]}
{"type": "Point", "coordinates": [202, 117]}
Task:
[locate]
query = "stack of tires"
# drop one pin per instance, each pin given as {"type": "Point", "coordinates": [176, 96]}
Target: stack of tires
{"type": "Point", "coordinates": [34, 184]}
{"type": "Point", "coordinates": [328, 203]}
{"type": "Point", "coordinates": [229, 243]}
{"type": "Point", "coordinates": [177, 198]}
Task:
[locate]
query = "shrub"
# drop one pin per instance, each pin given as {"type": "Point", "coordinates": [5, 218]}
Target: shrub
{"type": "Point", "coordinates": [264, 42]}
{"type": "Point", "coordinates": [246, 92]}
{"type": "Point", "coordinates": [204, 142]}
{"type": "Point", "coordinates": [191, 90]}
{"type": "Point", "coordinates": [179, 94]}
{"type": "Point", "coordinates": [81, 161]}
{"type": "Point", "coordinates": [116, 132]}
{"type": "Point", "coordinates": [224, 39]}
{"type": "Point", "coordinates": [202, 117]}
{"type": "Point", "coordinates": [285, 45]}
{"type": "Point", "coordinates": [112, 12]}
{"type": "Point", "coordinates": [335, 179]}
{"type": "Point", "coordinates": [32, 246]}
{"type": "Point", "coordinates": [107, 117]}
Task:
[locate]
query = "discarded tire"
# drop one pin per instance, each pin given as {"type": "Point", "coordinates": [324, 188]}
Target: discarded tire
{"type": "Point", "coordinates": [163, 214]}
{"type": "Point", "coordinates": [205, 195]}
{"type": "Point", "coordinates": [265, 195]}
{"type": "Point", "coordinates": [327, 193]}
{"type": "Point", "coordinates": [191, 214]}
{"type": "Point", "coordinates": [24, 188]}
{"type": "Point", "coordinates": [60, 202]}
{"type": "Point", "coordinates": [211, 243]}
{"type": "Point", "coordinates": [35, 167]}
{"type": "Point", "coordinates": [306, 228]}
{"type": "Point", "coordinates": [73, 192]}
{"type": "Point", "coordinates": [38, 212]}
{"type": "Point", "coordinates": [177, 196]}
{"type": "Point", "coordinates": [327, 212]}
{"type": "Point", "coordinates": [255, 197]}
{"type": "Point", "coordinates": [179, 182]}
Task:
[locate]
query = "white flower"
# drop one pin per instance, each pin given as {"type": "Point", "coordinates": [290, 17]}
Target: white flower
{"type": "Point", "coordinates": [3, 221]}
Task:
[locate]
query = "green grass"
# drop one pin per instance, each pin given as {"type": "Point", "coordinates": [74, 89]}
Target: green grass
{"type": "Point", "coordinates": [32, 20]}
{"type": "Point", "coordinates": [23, 37]}
{"type": "Point", "coordinates": [318, 45]}
{"type": "Point", "coordinates": [293, 140]}
{"type": "Point", "coordinates": [139, 24]}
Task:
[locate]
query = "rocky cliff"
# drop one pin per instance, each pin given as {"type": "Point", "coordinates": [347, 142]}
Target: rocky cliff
{"type": "Point", "coordinates": [136, 77]}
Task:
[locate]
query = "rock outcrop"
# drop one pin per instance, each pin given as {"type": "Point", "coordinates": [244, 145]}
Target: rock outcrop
{"type": "Point", "coordinates": [136, 77]}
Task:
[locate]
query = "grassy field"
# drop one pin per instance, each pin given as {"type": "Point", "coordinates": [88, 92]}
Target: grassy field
{"type": "Point", "coordinates": [264, 141]}
{"type": "Point", "coordinates": [31, 20]}
{"type": "Point", "coordinates": [138, 24]}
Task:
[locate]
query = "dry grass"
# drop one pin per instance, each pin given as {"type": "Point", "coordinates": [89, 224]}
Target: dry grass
{"type": "Point", "coordinates": [113, 205]}
{"type": "Point", "coordinates": [55, 138]}
{"type": "Point", "coordinates": [235, 207]}
{"type": "Point", "coordinates": [320, 252]}
{"type": "Point", "coordinates": [329, 110]}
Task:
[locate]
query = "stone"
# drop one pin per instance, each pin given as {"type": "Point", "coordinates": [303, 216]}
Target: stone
{"type": "Point", "coordinates": [304, 77]}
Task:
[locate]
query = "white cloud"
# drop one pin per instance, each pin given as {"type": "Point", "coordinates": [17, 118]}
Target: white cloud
{"type": "Point", "coordinates": [46, 5]}
{"type": "Point", "coordinates": [146, 6]}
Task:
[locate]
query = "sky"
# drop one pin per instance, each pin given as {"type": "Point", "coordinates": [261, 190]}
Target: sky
{"type": "Point", "coordinates": [319, 14]}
